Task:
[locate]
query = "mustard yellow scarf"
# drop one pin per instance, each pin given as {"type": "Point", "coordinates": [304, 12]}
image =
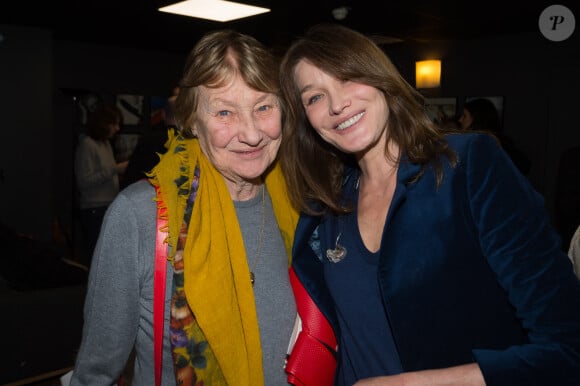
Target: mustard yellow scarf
{"type": "Point", "coordinates": [216, 272]}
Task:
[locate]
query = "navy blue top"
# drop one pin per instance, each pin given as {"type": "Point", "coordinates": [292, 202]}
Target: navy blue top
{"type": "Point", "coordinates": [366, 344]}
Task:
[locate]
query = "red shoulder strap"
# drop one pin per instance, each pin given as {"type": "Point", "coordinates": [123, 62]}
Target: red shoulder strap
{"type": "Point", "coordinates": [159, 283]}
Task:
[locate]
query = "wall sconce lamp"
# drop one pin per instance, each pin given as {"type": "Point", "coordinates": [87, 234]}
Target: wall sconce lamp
{"type": "Point", "coordinates": [428, 73]}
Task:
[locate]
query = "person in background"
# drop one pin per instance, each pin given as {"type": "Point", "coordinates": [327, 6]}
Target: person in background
{"type": "Point", "coordinates": [480, 114]}
{"type": "Point", "coordinates": [229, 309]}
{"type": "Point", "coordinates": [429, 254]}
{"type": "Point", "coordinates": [152, 144]}
{"type": "Point", "coordinates": [97, 172]}
{"type": "Point", "coordinates": [445, 121]}
{"type": "Point", "coordinates": [574, 251]}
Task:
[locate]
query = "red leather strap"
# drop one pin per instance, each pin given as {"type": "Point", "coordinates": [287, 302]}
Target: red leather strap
{"type": "Point", "coordinates": [159, 284]}
{"type": "Point", "coordinates": [312, 361]}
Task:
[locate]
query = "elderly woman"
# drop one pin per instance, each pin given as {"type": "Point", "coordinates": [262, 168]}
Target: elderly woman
{"type": "Point", "coordinates": [229, 309]}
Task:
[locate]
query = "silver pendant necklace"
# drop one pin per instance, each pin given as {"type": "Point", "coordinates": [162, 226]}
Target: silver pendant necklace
{"type": "Point", "coordinates": [338, 253]}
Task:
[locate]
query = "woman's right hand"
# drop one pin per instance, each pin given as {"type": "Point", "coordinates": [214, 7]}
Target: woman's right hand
{"type": "Point", "coordinates": [122, 166]}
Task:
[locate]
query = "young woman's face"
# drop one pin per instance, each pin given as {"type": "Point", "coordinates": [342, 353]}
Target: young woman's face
{"type": "Point", "coordinates": [351, 116]}
{"type": "Point", "coordinates": [239, 129]}
{"type": "Point", "coordinates": [113, 129]}
{"type": "Point", "coordinates": [466, 119]}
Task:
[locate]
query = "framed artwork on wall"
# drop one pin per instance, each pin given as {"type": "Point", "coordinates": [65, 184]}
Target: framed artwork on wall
{"type": "Point", "coordinates": [441, 109]}
{"type": "Point", "coordinates": [132, 108]}
{"type": "Point", "coordinates": [87, 104]}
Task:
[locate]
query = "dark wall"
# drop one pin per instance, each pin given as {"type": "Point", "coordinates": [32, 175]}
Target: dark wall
{"type": "Point", "coordinates": [26, 84]}
{"type": "Point", "coordinates": [38, 76]}
{"type": "Point", "coordinates": [107, 71]}
{"type": "Point", "coordinates": [538, 80]}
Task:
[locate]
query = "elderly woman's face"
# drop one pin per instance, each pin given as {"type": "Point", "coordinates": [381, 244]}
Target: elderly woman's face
{"type": "Point", "coordinates": [239, 129]}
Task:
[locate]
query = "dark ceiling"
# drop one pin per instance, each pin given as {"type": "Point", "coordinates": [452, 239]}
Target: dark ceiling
{"type": "Point", "coordinates": [137, 23]}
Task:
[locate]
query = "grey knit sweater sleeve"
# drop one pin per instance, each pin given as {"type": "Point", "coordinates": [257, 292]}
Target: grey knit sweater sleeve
{"type": "Point", "coordinates": [118, 308]}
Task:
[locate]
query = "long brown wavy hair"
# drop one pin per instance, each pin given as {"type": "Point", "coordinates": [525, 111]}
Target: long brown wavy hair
{"type": "Point", "coordinates": [99, 120]}
{"type": "Point", "coordinates": [314, 169]}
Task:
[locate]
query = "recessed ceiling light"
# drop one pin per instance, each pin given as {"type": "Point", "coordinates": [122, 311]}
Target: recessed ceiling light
{"type": "Point", "coordinates": [340, 13]}
{"type": "Point", "coordinates": [216, 10]}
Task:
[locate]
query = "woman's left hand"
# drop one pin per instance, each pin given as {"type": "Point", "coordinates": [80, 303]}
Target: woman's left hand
{"type": "Point", "coordinates": [464, 375]}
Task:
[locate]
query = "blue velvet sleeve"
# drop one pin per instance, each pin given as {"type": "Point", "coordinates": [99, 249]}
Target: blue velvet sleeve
{"type": "Point", "coordinates": [525, 253]}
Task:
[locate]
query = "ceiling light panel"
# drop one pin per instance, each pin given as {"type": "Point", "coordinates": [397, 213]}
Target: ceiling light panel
{"type": "Point", "coordinates": [216, 10]}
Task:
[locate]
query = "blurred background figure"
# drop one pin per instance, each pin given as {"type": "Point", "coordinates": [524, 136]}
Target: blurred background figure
{"type": "Point", "coordinates": [574, 251]}
{"type": "Point", "coordinates": [567, 200]}
{"type": "Point", "coordinates": [150, 145]}
{"type": "Point", "coordinates": [481, 115]}
{"type": "Point", "coordinates": [97, 173]}
{"type": "Point", "coordinates": [446, 122]}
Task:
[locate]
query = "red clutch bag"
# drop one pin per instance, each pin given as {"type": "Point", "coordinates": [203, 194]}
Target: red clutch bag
{"type": "Point", "coordinates": [312, 358]}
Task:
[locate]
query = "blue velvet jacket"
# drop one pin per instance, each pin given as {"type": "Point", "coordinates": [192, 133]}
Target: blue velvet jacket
{"type": "Point", "coordinates": [471, 271]}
